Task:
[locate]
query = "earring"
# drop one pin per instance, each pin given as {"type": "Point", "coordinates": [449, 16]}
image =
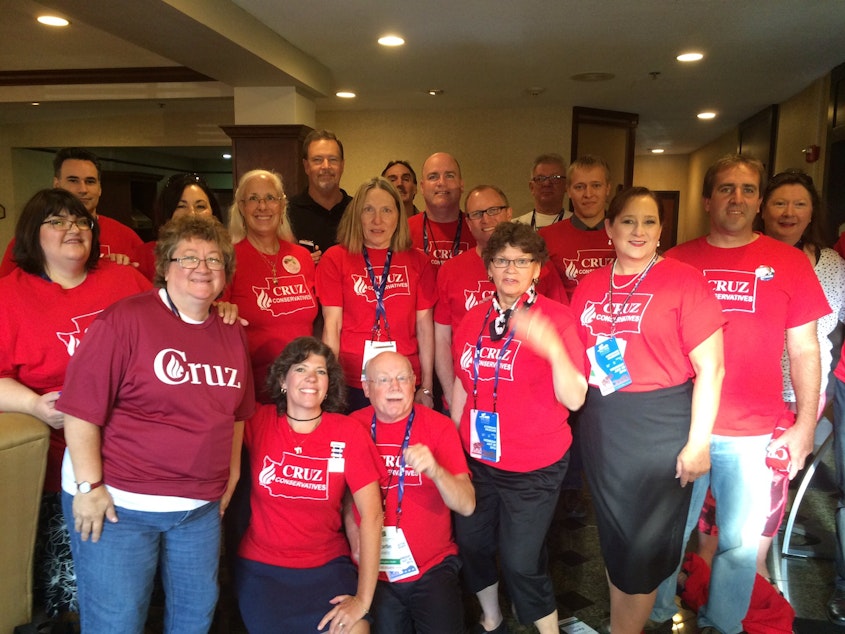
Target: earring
{"type": "Point", "coordinates": [489, 278]}
{"type": "Point", "coordinates": [284, 390]}
{"type": "Point", "coordinates": [609, 242]}
{"type": "Point", "coordinates": [658, 243]}
{"type": "Point", "coordinates": [536, 279]}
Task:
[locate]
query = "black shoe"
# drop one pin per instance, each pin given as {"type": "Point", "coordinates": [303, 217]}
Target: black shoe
{"type": "Point", "coordinates": [836, 607]}
{"type": "Point", "coordinates": [574, 506]}
{"type": "Point", "coordinates": [501, 629]}
{"type": "Point", "coordinates": [655, 627]}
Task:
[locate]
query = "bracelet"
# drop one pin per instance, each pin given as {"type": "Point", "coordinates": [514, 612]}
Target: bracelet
{"type": "Point", "coordinates": [358, 601]}
{"type": "Point", "coordinates": [426, 391]}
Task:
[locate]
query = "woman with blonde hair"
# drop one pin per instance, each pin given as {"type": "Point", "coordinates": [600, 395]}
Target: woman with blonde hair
{"type": "Point", "coordinates": [377, 291]}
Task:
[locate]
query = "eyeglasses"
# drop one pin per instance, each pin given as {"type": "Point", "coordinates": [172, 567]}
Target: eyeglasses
{"type": "Point", "coordinates": [269, 199]}
{"type": "Point", "coordinates": [193, 262]}
{"type": "Point", "coordinates": [63, 224]}
{"type": "Point", "coordinates": [554, 179]}
{"type": "Point", "coordinates": [520, 263]}
{"type": "Point", "coordinates": [385, 381]}
{"type": "Point", "coordinates": [490, 211]}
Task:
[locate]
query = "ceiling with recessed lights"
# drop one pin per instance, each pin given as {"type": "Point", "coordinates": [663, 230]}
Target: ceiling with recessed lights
{"type": "Point", "coordinates": [472, 53]}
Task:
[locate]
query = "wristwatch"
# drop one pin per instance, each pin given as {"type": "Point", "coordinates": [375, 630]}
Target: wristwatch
{"type": "Point", "coordinates": [426, 391]}
{"type": "Point", "coordinates": [87, 487]}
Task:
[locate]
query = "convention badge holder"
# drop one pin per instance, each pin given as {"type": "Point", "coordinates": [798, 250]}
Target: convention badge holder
{"type": "Point", "coordinates": [608, 370]}
{"type": "Point", "coordinates": [372, 349]}
{"type": "Point", "coordinates": [396, 558]}
{"type": "Point", "coordinates": [484, 440]}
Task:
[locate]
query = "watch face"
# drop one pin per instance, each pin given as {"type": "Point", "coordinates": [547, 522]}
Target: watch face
{"type": "Point", "coordinates": [84, 487]}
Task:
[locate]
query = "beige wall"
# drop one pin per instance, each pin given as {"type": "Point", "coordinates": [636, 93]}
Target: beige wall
{"type": "Point", "coordinates": [802, 122]}
{"type": "Point", "coordinates": [493, 146]}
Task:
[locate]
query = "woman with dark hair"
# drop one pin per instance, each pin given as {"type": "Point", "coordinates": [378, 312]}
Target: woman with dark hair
{"type": "Point", "coordinates": [377, 291]}
{"type": "Point", "coordinates": [517, 360]}
{"type": "Point", "coordinates": [294, 572]}
{"type": "Point", "coordinates": [274, 284]}
{"type": "Point", "coordinates": [182, 194]}
{"type": "Point", "coordinates": [154, 411]}
{"type": "Point", "coordinates": [650, 326]}
{"type": "Point", "coordinates": [57, 289]}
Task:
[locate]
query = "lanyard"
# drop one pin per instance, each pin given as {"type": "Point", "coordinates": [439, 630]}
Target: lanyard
{"type": "Point", "coordinates": [378, 289]}
{"type": "Point", "coordinates": [401, 481]}
{"type": "Point", "coordinates": [534, 218]}
{"type": "Point", "coordinates": [477, 359]}
{"type": "Point", "coordinates": [456, 243]}
{"type": "Point", "coordinates": [640, 278]}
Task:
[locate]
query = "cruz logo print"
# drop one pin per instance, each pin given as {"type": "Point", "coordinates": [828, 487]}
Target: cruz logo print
{"type": "Point", "coordinates": [487, 360]}
{"type": "Point", "coordinates": [72, 339]}
{"type": "Point", "coordinates": [289, 296]}
{"type": "Point", "coordinates": [397, 284]}
{"type": "Point", "coordinates": [587, 261]}
{"type": "Point", "coordinates": [628, 316]}
{"type": "Point", "coordinates": [735, 290]}
{"type": "Point", "coordinates": [390, 456]}
{"type": "Point", "coordinates": [485, 291]}
{"type": "Point", "coordinates": [298, 477]}
{"type": "Point", "coordinates": [172, 367]}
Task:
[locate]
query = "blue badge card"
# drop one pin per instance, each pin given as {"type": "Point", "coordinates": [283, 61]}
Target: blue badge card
{"type": "Point", "coordinates": [607, 366]}
{"type": "Point", "coordinates": [484, 440]}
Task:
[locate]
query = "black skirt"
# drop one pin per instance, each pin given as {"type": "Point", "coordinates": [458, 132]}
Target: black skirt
{"type": "Point", "coordinates": [630, 446]}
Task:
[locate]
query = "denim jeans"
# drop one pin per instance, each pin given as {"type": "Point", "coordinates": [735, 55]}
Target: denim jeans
{"type": "Point", "coordinates": [839, 458]}
{"type": "Point", "coordinates": [741, 483]}
{"type": "Point", "coordinates": [115, 575]}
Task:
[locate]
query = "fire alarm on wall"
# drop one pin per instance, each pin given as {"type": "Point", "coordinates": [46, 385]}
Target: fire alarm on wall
{"type": "Point", "coordinates": [811, 153]}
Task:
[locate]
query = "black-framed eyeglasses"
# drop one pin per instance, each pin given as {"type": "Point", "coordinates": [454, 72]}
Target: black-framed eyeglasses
{"type": "Point", "coordinates": [193, 262]}
{"type": "Point", "coordinates": [554, 179]}
{"type": "Point", "coordinates": [63, 224]}
{"type": "Point", "coordinates": [490, 211]}
{"type": "Point", "coordinates": [503, 263]}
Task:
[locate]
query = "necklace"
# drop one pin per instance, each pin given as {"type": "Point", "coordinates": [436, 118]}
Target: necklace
{"type": "Point", "coordinates": [634, 278]}
{"type": "Point", "coordinates": [271, 264]}
{"type": "Point", "coordinates": [298, 439]}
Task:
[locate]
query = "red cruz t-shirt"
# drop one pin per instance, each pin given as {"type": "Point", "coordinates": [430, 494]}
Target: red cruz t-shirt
{"type": "Point", "coordinates": [671, 312]}
{"type": "Point", "coordinates": [437, 239]}
{"type": "Point", "coordinates": [342, 280]}
{"type": "Point", "coordinates": [426, 520]}
{"type": "Point", "coordinates": [296, 499]}
{"type": "Point", "coordinates": [764, 288]}
{"type": "Point", "coordinates": [576, 253]}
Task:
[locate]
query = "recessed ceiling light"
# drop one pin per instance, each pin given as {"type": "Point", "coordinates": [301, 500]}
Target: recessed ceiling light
{"type": "Point", "coordinates": [227, 156]}
{"type": "Point", "coordinates": [345, 94]}
{"type": "Point", "coordinates": [593, 77]}
{"type": "Point", "coordinates": [689, 57]}
{"type": "Point", "coordinates": [52, 20]}
{"type": "Point", "coordinates": [435, 92]}
{"type": "Point", "coordinates": [391, 40]}
{"type": "Point", "coordinates": [36, 103]}
{"type": "Point", "coordinates": [706, 115]}
{"type": "Point", "coordinates": [657, 150]}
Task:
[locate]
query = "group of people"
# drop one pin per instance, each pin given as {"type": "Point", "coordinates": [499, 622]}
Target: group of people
{"type": "Point", "coordinates": [309, 358]}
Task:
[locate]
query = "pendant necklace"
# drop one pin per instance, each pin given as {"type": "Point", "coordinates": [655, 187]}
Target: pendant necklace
{"type": "Point", "coordinates": [298, 439]}
{"type": "Point", "coordinates": [271, 264]}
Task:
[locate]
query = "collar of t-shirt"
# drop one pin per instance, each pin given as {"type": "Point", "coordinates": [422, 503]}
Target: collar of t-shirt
{"type": "Point", "coordinates": [578, 224]}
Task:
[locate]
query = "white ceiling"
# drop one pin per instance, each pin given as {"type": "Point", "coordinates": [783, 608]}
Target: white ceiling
{"type": "Point", "coordinates": [481, 53]}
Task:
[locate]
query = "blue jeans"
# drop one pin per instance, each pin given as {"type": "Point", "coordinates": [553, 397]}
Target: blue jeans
{"type": "Point", "coordinates": [115, 575]}
{"type": "Point", "coordinates": [741, 483]}
{"type": "Point", "coordinates": [839, 458]}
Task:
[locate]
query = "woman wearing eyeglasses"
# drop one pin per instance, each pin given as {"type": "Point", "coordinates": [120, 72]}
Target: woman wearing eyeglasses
{"type": "Point", "coordinates": [517, 361]}
{"type": "Point", "coordinates": [154, 407]}
{"type": "Point", "coordinates": [59, 286]}
{"type": "Point", "coordinates": [273, 286]}
{"type": "Point", "coordinates": [182, 194]}
{"type": "Point", "coordinates": [650, 326]}
{"type": "Point", "coordinates": [377, 291]}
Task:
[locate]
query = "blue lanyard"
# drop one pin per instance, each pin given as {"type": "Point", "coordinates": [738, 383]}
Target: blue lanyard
{"type": "Point", "coordinates": [456, 243]}
{"type": "Point", "coordinates": [477, 359]}
{"type": "Point", "coordinates": [641, 277]}
{"type": "Point", "coordinates": [401, 481]}
{"type": "Point", "coordinates": [378, 289]}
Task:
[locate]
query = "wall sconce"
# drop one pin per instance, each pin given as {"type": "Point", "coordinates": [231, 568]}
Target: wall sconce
{"type": "Point", "coordinates": [811, 153]}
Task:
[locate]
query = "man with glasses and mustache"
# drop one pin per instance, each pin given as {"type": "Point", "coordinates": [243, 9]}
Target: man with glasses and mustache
{"type": "Point", "coordinates": [315, 213]}
{"type": "Point", "coordinates": [427, 479]}
{"type": "Point", "coordinates": [548, 186]}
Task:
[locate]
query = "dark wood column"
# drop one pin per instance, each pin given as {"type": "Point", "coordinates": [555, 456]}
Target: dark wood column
{"type": "Point", "coordinates": [271, 147]}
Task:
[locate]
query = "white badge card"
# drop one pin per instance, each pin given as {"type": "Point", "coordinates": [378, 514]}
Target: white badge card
{"type": "Point", "coordinates": [373, 348]}
{"type": "Point", "coordinates": [484, 439]}
{"type": "Point", "coordinates": [608, 370]}
{"type": "Point", "coordinates": [396, 558]}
